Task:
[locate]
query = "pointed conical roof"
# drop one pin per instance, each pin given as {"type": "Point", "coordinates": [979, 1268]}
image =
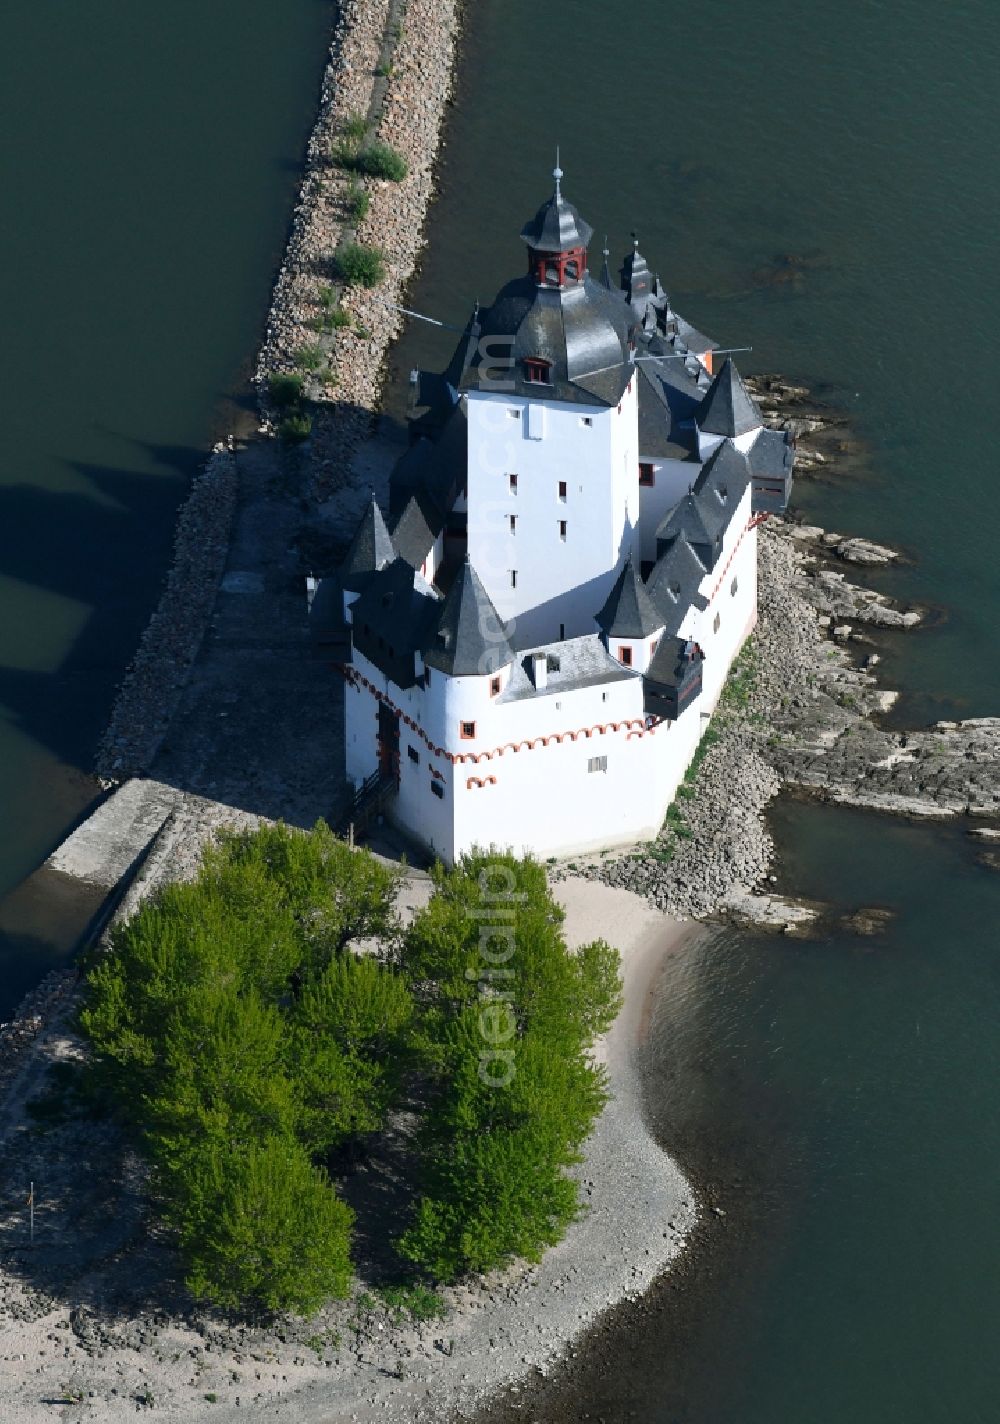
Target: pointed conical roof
{"type": "Point", "coordinates": [727, 408]}
{"type": "Point", "coordinates": [468, 639]}
{"type": "Point", "coordinates": [371, 548]}
{"type": "Point", "coordinates": [726, 474]}
{"type": "Point", "coordinates": [557, 226]}
{"type": "Point", "coordinates": [629, 612]}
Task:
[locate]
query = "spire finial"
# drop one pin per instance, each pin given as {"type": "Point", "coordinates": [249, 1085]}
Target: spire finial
{"type": "Point", "coordinates": [557, 174]}
{"type": "Point", "coordinates": [606, 249]}
{"type": "Point", "coordinates": [635, 241]}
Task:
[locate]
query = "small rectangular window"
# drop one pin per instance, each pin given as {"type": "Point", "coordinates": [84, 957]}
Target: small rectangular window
{"type": "Point", "coordinates": [438, 789]}
{"type": "Point", "coordinates": [513, 523]}
{"type": "Point", "coordinates": [597, 764]}
{"type": "Point", "coordinates": [512, 482]}
{"type": "Point", "coordinates": [562, 529]}
{"type": "Point", "coordinates": [562, 632]}
{"type": "Point", "coordinates": [646, 476]}
{"type": "Point", "coordinates": [718, 620]}
{"type": "Point", "coordinates": [411, 752]}
{"type": "Point", "coordinates": [514, 414]}
{"type": "Point", "coordinates": [494, 686]}
{"type": "Point", "coordinates": [468, 730]}
{"type": "Point", "coordinates": [562, 489]}
{"type": "Point", "coordinates": [513, 578]}
{"type": "Point", "coordinates": [733, 587]}
{"type": "Point", "coordinates": [625, 656]}
{"type": "Point", "coordinates": [586, 420]}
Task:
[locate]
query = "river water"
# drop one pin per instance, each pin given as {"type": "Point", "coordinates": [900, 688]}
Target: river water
{"type": "Point", "coordinates": [838, 1098]}
{"type": "Point", "coordinates": [149, 159]}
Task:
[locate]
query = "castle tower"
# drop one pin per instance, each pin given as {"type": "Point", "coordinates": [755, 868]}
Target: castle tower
{"type": "Point", "coordinates": [553, 492]}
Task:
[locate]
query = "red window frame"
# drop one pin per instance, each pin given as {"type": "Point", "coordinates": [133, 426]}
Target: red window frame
{"type": "Point", "coordinates": [625, 656]}
{"type": "Point", "coordinates": [467, 730]}
{"type": "Point", "coordinates": [536, 370]}
{"type": "Point", "coordinates": [647, 477]}
{"type": "Point", "coordinates": [494, 686]}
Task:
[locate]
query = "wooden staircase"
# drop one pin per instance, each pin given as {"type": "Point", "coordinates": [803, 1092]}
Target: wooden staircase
{"type": "Point", "coordinates": [367, 802]}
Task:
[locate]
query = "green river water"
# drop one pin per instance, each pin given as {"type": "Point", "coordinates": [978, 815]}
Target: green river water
{"type": "Point", "coordinates": [840, 1098]}
{"type": "Point", "coordinates": [148, 162]}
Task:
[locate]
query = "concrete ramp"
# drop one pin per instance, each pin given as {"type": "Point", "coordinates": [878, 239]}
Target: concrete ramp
{"type": "Point", "coordinates": [104, 847]}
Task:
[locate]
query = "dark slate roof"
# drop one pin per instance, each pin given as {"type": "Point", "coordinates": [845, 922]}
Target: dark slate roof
{"type": "Point", "coordinates": [670, 664]}
{"type": "Point", "coordinates": [417, 527]}
{"type": "Point", "coordinates": [370, 549]}
{"type": "Point", "coordinates": [582, 330]}
{"type": "Point", "coordinates": [772, 453]}
{"type": "Point", "coordinates": [393, 618]}
{"type": "Point", "coordinates": [668, 403]}
{"type": "Point", "coordinates": [437, 465]}
{"type": "Point", "coordinates": [701, 520]}
{"type": "Point", "coordinates": [693, 339]}
{"type": "Point", "coordinates": [674, 582]}
{"type": "Point", "coordinates": [468, 638]}
{"type": "Point", "coordinates": [723, 478]}
{"type": "Point", "coordinates": [629, 611]}
{"type": "Point", "coordinates": [727, 408]}
{"type": "Point", "coordinates": [557, 226]}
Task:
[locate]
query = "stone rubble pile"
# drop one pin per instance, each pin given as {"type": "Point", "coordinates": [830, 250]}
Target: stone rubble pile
{"type": "Point", "coordinates": [34, 1013]}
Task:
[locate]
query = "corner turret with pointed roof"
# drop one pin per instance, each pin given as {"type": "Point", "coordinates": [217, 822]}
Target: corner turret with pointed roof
{"type": "Point", "coordinates": [629, 612]}
{"type": "Point", "coordinates": [468, 638]}
{"type": "Point", "coordinates": [370, 549]}
{"type": "Point", "coordinates": [728, 409]}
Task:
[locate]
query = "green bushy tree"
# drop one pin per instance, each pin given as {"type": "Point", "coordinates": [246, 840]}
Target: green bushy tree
{"type": "Point", "coordinates": [506, 1021]}
{"type": "Point", "coordinates": [241, 1034]}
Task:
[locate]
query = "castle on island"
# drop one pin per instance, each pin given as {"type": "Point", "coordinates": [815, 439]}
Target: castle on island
{"type": "Point", "coordinates": [535, 637]}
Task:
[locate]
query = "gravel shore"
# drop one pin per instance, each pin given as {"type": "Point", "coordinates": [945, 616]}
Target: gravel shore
{"type": "Point", "coordinates": [92, 1315]}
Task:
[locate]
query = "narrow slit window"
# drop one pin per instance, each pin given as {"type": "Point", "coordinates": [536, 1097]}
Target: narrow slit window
{"type": "Point", "coordinates": [513, 523]}
{"type": "Point", "coordinates": [562, 489]}
{"type": "Point", "coordinates": [411, 752]}
{"type": "Point", "coordinates": [512, 482]}
{"type": "Point", "coordinates": [562, 530]}
{"type": "Point", "coordinates": [718, 621]}
{"type": "Point", "coordinates": [494, 686]}
{"type": "Point", "coordinates": [646, 475]}
{"type": "Point", "coordinates": [513, 578]}
{"type": "Point", "coordinates": [438, 789]}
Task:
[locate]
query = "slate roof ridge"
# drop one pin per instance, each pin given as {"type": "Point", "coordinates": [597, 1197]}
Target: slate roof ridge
{"type": "Point", "coordinates": [468, 638]}
{"type": "Point", "coordinates": [628, 610]}
{"type": "Point", "coordinates": [727, 408]}
{"type": "Point", "coordinates": [371, 548]}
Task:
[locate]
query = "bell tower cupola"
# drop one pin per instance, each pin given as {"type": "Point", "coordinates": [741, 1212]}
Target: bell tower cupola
{"type": "Point", "coordinates": [557, 239]}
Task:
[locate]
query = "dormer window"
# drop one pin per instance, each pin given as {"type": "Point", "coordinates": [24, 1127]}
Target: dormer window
{"type": "Point", "coordinates": [537, 370]}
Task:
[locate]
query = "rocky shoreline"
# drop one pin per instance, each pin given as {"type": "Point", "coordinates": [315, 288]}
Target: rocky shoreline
{"type": "Point", "coordinates": [802, 713]}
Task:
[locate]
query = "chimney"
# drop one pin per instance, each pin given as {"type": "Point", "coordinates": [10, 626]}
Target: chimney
{"type": "Point", "coordinates": [539, 671]}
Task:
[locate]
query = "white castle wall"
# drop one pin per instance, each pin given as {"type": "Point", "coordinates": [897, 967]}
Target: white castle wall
{"type": "Point", "coordinates": [559, 581]}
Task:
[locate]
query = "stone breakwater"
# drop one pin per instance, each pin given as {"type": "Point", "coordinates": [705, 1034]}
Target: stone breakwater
{"type": "Point", "coordinates": [149, 694]}
{"type": "Point", "coordinates": [404, 108]}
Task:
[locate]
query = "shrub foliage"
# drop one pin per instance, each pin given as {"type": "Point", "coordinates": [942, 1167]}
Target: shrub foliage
{"type": "Point", "coordinates": [506, 1048]}
{"type": "Point", "coordinates": [244, 1035]}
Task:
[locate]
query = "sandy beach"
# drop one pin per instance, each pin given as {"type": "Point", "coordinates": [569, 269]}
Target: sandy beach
{"type": "Point", "coordinates": [98, 1364]}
